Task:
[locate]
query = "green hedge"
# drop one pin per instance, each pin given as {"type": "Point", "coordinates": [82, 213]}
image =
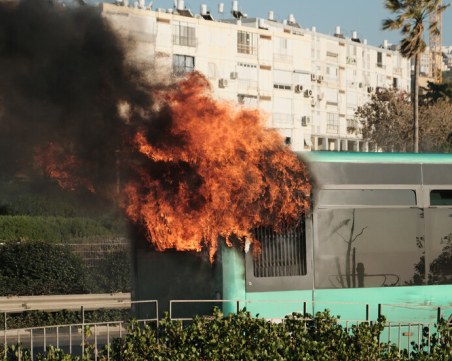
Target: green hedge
{"type": "Point", "coordinates": [42, 268]}
{"type": "Point", "coordinates": [51, 229]}
{"type": "Point", "coordinates": [243, 337]}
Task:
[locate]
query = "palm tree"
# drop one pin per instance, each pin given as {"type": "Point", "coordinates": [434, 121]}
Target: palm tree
{"type": "Point", "coordinates": [410, 16]}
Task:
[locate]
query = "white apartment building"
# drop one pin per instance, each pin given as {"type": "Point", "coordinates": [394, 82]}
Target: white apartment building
{"type": "Point", "coordinates": [309, 84]}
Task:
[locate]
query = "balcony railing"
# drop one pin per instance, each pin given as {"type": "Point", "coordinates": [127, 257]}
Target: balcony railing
{"type": "Point", "coordinates": [184, 40]}
{"type": "Point", "coordinates": [246, 49]}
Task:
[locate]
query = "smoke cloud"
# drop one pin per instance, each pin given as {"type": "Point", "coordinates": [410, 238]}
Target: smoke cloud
{"type": "Point", "coordinates": [62, 75]}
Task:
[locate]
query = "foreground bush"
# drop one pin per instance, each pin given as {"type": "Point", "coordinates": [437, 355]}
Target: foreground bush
{"type": "Point", "coordinates": [40, 268]}
{"type": "Point", "coordinates": [243, 337]}
{"type": "Point", "coordinates": [43, 268]}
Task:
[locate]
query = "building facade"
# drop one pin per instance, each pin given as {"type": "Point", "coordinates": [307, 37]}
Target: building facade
{"type": "Point", "coordinates": [307, 83]}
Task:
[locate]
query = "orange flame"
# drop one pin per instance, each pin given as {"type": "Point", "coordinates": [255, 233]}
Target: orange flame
{"type": "Point", "coordinates": [205, 169]}
{"type": "Point", "coordinates": [227, 175]}
{"type": "Point", "coordinates": [62, 166]}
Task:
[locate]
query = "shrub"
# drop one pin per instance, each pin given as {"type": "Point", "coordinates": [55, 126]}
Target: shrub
{"type": "Point", "coordinates": [40, 268]}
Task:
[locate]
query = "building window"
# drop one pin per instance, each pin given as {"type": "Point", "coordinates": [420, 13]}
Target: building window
{"type": "Point", "coordinates": [247, 100]}
{"type": "Point", "coordinates": [395, 83]}
{"type": "Point", "coordinates": [380, 59]}
{"type": "Point", "coordinates": [246, 42]}
{"type": "Point", "coordinates": [282, 79]}
{"type": "Point", "coordinates": [332, 123]}
{"type": "Point", "coordinates": [183, 64]}
{"type": "Point", "coordinates": [282, 86]}
{"type": "Point", "coordinates": [353, 126]}
{"type": "Point", "coordinates": [184, 34]}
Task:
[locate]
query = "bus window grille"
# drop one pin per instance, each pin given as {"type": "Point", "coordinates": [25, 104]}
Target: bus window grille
{"type": "Point", "coordinates": [282, 254]}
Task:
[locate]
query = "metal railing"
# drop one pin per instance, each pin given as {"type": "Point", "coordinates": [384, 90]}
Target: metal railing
{"type": "Point", "coordinates": [74, 338]}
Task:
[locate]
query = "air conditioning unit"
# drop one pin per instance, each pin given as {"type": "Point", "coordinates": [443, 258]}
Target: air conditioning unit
{"type": "Point", "coordinates": [234, 75]}
{"type": "Point", "coordinates": [223, 83]}
{"type": "Point", "coordinates": [313, 77]}
{"type": "Point", "coordinates": [308, 93]}
{"type": "Point", "coordinates": [298, 88]}
{"type": "Point", "coordinates": [319, 78]}
{"type": "Point", "coordinates": [370, 89]}
{"type": "Point", "coordinates": [305, 121]}
{"type": "Point", "coordinates": [320, 96]}
{"type": "Point", "coordinates": [313, 102]}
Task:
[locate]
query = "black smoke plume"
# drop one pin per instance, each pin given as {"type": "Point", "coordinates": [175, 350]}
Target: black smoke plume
{"type": "Point", "coordinates": [63, 72]}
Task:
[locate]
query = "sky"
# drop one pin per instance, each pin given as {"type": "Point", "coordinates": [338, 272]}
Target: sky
{"type": "Point", "coordinates": [363, 16]}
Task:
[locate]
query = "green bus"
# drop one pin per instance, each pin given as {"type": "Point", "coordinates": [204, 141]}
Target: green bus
{"type": "Point", "coordinates": [378, 240]}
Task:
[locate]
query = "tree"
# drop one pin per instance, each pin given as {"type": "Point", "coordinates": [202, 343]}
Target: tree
{"type": "Point", "coordinates": [410, 16]}
{"type": "Point", "coordinates": [436, 128]}
{"type": "Point", "coordinates": [386, 120]}
{"type": "Point", "coordinates": [436, 92]}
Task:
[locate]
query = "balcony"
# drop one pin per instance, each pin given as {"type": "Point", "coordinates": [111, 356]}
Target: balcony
{"type": "Point", "coordinates": [184, 40]}
{"type": "Point", "coordinates": [246, 49]}
{"type": "Point", "coordinates": [351, 60]}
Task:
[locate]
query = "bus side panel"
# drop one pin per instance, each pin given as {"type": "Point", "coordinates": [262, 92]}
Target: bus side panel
{"type": "Point", "coordinates": [278, 304]}
{"type": "Point", "coordinates": [398, 304]}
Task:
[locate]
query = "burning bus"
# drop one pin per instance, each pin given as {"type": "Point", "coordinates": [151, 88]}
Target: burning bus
{"type": "Point", "coordinates": [379, 233]}
{"type": "Point", "coordinates": [229, 212]}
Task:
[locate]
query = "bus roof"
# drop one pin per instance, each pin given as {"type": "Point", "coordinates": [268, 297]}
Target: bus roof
{"type": "Point", "coordinates": [374, 157]}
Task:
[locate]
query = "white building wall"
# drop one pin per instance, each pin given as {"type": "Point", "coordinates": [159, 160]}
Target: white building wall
{"type": "Point", "coordinates": [309, 84]}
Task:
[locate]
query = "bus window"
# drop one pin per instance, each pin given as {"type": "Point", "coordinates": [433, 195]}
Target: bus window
{"type": "Point", "coordinates": [367, 197]}
{"type": "Point", "coordinates": [441, 197]}
{"type": "Point", "coordinates": [368, 247]}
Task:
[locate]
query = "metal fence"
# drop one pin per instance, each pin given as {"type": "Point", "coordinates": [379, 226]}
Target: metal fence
{"type": "Point", "coordinates": [93, 250]}
{"type": "Point", "coordinates": [74, 338]}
